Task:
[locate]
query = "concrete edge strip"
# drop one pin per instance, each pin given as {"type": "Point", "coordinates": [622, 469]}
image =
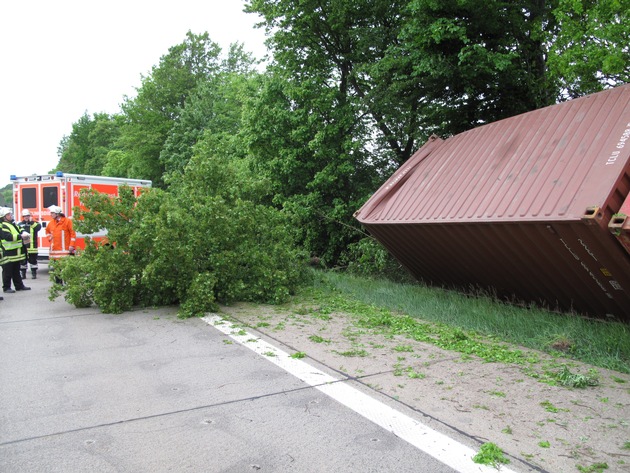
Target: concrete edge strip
{"type": "Point", "coordinates": [446, 450]}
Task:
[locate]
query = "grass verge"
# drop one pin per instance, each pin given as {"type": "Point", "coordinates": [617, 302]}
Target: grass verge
{"type": "Point", "coordinates": [457, 321]}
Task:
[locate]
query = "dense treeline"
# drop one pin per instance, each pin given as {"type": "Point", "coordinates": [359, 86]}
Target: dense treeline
{"type": "Point", "coordinates": [352, 89]}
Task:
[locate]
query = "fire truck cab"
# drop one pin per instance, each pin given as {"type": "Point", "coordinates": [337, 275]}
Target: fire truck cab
{"type": "Point", "coordinates": [39, 191]}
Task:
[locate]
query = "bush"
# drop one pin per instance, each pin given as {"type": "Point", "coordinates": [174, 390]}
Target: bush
{"type": "Point", "coordinates": [195, 250]}
{"type": "Point", "coordinates": [369, 258]}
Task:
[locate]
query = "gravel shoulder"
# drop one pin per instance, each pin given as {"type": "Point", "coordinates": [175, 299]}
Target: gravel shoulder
{"type": "Point", "coordinates": [542, 427]}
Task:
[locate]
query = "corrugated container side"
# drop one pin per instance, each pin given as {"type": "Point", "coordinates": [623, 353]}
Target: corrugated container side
{"type": "Point", "coordinates": [527, 207]}
{"type": "Point", "coordinates": [561, 266]}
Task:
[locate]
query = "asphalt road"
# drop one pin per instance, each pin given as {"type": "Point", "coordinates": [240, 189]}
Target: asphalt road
{"type": "Point", "coordinates": [82, 391]}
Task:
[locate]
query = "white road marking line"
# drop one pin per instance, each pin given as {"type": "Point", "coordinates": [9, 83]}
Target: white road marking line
{"type": "Point", "coordinates": [446, 450]}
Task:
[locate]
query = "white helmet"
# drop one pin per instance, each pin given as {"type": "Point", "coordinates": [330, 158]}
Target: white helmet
{"type": "Point", "coordinates": [26, 213]}
{"type": "Point", "coordinates": [4, 211]}
{"type": "Point", "coordinates": [55, 209]}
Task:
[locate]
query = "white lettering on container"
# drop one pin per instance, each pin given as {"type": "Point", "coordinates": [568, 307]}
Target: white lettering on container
{"type": "Point", "coordinates": [570, 250]}
{"type": "Point", "coordinates": [616, 285]}
{"type": "Point", "coordinates": [586, 268]}
{"type": "Point", "coordinates": [587, 249]}
{"type": "Point", "coordinates": [625, 136]}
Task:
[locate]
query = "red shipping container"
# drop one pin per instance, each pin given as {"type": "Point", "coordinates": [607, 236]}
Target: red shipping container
{"type": "Point", "coordinates": [531, 208]}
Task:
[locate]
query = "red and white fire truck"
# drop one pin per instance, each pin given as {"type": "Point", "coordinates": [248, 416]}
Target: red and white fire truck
{"type": "Point", "coordinates": [39, 191]}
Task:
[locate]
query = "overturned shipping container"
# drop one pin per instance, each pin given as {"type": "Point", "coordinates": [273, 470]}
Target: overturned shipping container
{"type": "Point", "coordinates": [533, 207]}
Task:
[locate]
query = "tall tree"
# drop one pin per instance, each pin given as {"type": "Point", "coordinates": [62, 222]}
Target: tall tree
{"type": "Point", "coordinates": [479, 60]}
{"type": "Point", "coordinates": [591, 50]}
{"type": "Point", "coordinates": [335, 44]}
{"type": "Point", "coordinates": [305, 141]}
{"type": "Point", "coordinates": [85, 150]}
{"type": "Point", "coordinates": [333, 113]}
{"type": "Point", "coordinates": [160, 101]}
{"type": "Point", "coordinates": [214, 108]}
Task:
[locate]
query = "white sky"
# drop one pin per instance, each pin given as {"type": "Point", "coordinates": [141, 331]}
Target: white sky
{"type": "Point", "coordinates": [61, 58]}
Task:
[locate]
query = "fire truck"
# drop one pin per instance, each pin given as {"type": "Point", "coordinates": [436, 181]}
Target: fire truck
{"type": "Point", "coordinates": [39, 191]}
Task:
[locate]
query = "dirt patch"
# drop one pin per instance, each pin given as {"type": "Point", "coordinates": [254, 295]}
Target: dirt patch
{"type": "Point", "coordinates": [543, 427]}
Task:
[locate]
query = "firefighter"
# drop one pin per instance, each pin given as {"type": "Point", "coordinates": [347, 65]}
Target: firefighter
{"type": "Point", "coordinates": [31, 227]}
{"type": "Point", "coordinates": [61, 235]}
{"type": "Point", "coordinates": [12, 246]}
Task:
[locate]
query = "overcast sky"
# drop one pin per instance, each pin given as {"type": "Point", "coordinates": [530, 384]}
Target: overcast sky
{"type": "Point", "coordinates": [61, 58]}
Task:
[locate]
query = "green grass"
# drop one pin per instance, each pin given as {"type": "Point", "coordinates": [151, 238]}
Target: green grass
{"type": "Point", "coordinates": [576, 380]}
{"type": "Point", "coordinates": [464, 320]}
{"type": "Point", "coordinates": [490, 454]}
{"type": "Point", "coordinates": [594, 468]}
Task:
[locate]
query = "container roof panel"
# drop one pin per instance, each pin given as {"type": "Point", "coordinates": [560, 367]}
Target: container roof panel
{"type": "Point", "coordinates": [551, 163]}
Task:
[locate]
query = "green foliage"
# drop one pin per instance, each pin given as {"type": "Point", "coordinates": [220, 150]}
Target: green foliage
{"type": "Point", "coordinates": [201, 244]}
{"type": "Point", "coordinates": [213, 112]}
{"type": "Point", "coordinates": [476, 322]}
{"type": "Point", "coordinates": [317, 170]}
{"type": "Point", "coordinates": [369, 258]}
{"type": "Point", "coordinates": [106, 272]}
{"type": "Point", "coordinates": [576, 380]}
{"type": "Point", "coordinates": [160, 100]}
{"type": "Point", "coordinates": [490, 454]}
{"type": "Point", "coordinates": [339, 55]}
{"type": "Point", "coordinates": [335, 114]}
{"type": "Point", "coordinates": [86, 150]}
{"type": "Point", "coordinates": [6, 195]}
{"type": "Point", "coordinates": [594, 468]}
{"type": "Point", "coordinates": [478, 60]}
{"type": "Point", "coordinates": [200, 297]}
{"type": "Point", "coordinates": [318, 339]}
{"type": "Point", "coordinates": [590, 51]}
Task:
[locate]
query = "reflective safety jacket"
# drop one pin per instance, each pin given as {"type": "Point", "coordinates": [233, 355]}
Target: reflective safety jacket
{"type": "Point", "coordinates": [32, 228]}
{"type": "Point", "coordinates": [62, 236]}
{"type": "Point", "coordinates": [11, 242]}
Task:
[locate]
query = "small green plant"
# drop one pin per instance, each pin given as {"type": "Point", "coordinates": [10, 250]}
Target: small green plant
{"type": "Point", "coordinates": [301, 310]}
{"type": "Point", "coordinates": [626, 446]}
{"type": "Point", "coordinates": [403, 348]}
{"type": "Point", "coordinates": [228, 342]}
{"type": "Point", "coordinates": [576, 380]}
{"type": "Point", "coordinates": [298, 355]}
{"type": "Point", "coordinates": [490, 454]}
{"type": "Point", "coordinates": [549, 407]}
{"type": "Point", "coordinates": [544, 444]}
{"type": "Point", "coordinates": [561, 344]}
{"type": "Point", "coordinates": [352, 353]}
{"type": "Point", "coordinates": [617, 380]}
{"type": "Point", "coordinates": [318, 339]}
{"type": "Point", "coordinates": [269, 353]}
{"type": "Point", "coordinates": [507, 430]}
{"type": "Point", "coordinates": [411, 373]}
{"type": "Point", "coordinates": [594, 468]}
{"type": "Point", "coordinates": [497, 393]}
